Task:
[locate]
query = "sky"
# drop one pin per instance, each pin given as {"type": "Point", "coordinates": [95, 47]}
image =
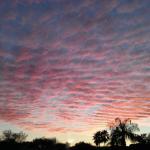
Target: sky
{"type": "Point", "coordinates": [69, 67]}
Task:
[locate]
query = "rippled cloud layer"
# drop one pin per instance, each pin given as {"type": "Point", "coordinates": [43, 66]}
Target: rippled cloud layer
{"type": "Point", "coordinates": [72, 65]}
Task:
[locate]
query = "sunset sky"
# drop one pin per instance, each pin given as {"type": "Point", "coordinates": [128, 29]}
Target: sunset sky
{"type": "Point", "coordinates": [68, 67]}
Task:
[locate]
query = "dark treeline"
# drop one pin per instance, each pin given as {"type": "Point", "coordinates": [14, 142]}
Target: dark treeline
{"type": "Point", "coordinates": [120, 132]}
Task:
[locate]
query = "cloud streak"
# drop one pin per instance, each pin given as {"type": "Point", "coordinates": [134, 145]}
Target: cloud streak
{"type": "Point", "coordinates": [73, 66]}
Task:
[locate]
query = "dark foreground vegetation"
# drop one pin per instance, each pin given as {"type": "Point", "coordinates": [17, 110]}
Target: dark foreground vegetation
{"type": "Point", "coordinates": [120, 131]}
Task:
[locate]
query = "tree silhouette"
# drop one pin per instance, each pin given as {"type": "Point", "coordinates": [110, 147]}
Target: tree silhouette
{"type": "Point", "coordinates": [20, 137]}
{"type": "Point", "coordinates": [101, 137]}
{"type": "Point", "coordinates": [8, 135]}
{"type": "Point", "coordinates": [122, 130]}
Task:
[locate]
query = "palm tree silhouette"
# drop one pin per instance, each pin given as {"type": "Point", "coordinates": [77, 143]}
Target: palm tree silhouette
{"type": "Point", "coordinates": [100, 137]}
{"type": "Point", "coordinates": [122, 130]}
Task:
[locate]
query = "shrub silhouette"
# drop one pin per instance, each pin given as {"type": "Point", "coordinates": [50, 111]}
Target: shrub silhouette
{"type": "Point", "coordinates": [82, 146]}
{"type": "Point", "coordinates": [44, 143]}
{"type": "Point", "coordinates": [143, 138]}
